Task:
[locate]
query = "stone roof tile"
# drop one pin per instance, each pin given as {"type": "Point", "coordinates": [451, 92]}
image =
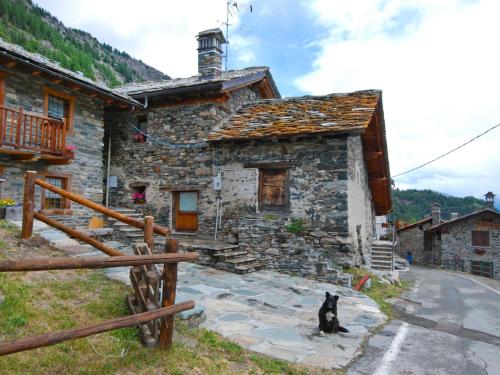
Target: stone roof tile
{"type": "Point", "coordinates": [334, 113]}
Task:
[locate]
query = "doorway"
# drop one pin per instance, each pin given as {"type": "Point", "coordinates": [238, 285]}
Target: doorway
{"type": "Point", "coordinates": [185, 210]}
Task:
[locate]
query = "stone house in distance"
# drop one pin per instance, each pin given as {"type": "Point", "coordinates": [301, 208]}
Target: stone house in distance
{"type": "Point", "coordinates": [470, 243]}
{"type": "Point", "coordinates": [318, 162]}
{"type": "Point", "coordinates": [52, 122]}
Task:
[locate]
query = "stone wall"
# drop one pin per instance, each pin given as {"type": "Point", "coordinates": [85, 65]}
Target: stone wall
{"type": "Point", "coordinates": [318, 198]}
{"type": "Point", "coordinates": [25, 90]}
{"type": "Point", "coordinates": [361, 213]}
{"type": "Point", "coordinates": [456, 242]}
{"type": "Point", "coordinates": [412, 239]}
{"type": "Point", "coordinates": [175, 157]}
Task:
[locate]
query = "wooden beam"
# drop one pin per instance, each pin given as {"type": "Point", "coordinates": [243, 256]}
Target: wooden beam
{"type": "Point", "coordinates": [11, 64]}
{"type": "Point", "coordinates": [52, 338]}
{"type": "Point", "coordinates": [149, 223]}
{"type": "Point", "coordinates": [36, 73]}
{"type": "Point", "coordinates": [168, 296]}
{"type": "Point", "coordinates": [28, 204]}
{"type": "Point", "coordinates": [64, 263]}
{"type": "Point", "coordinates": [78, 235]}
{"type": "Point", "coordinates": [57, 81]}
{"type": "Point", "coordinates": [97, 207]}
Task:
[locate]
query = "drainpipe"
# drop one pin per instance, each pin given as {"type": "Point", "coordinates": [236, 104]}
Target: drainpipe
{"type": "Point", "coordinates": [109, 163]}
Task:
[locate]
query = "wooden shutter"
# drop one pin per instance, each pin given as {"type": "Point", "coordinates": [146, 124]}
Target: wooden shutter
{"type": "Point", "coordinates": [480, 238]}
{"type": "Point", "coordinates": [273, 189]}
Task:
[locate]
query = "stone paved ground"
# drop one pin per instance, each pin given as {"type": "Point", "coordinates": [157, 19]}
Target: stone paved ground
{"type": "Point", "coordinates": [267, 312]}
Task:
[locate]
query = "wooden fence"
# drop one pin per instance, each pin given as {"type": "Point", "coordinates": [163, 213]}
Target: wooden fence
{"type": "Point", "coordinates": [168, 307]}
{"type": "Point", "coordinates": [33, 132]}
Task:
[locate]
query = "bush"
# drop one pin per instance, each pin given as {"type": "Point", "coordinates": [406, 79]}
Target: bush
{"type": "Point", "coordinates": [295, 227]}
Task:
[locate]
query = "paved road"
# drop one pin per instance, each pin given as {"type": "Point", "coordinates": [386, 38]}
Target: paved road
{"type": "Point", "coordinates": [446, 325]}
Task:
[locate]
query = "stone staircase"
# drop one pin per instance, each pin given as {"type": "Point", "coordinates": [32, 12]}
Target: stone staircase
{"type": "Point", "coordinates": [221, 255]}
{"type": "Point", "coordinates": [382, 255]}
{"type": "Point", "coordinates": [124, 232]}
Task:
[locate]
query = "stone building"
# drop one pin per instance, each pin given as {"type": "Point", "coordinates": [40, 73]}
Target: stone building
{"type": "Point", "coordinates": [470, 243]}
{"type": "Point", "coordinates": [411, 238]}
{"type": "Point", "coordinates": [317, 163]}
{"type": "Point", "coordinates": [52, 122]}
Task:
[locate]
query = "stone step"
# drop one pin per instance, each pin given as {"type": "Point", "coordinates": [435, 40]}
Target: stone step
{"type": "Point", "coordinates": [380, 252]}
{"type": "Point", "coordinates": [229, 254]}
{"type": "Point", "coordinates": [381, 262]}
{"type": "Point", "coordinates": [129, 229]}
{"type": "Point", "coordinates": [382, 256]}
{"type": "Point", "coordinates": [241, 261]}
{"type": "Point", "coordinates": [389, 249]}
{"type": "Point", "coordinates": [249, 267]}
{"type": "Point", "coordinates": [135, 235]}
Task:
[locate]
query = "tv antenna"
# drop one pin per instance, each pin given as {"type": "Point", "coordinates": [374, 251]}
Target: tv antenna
{"type": "Point", "coordinates": [240, 7]}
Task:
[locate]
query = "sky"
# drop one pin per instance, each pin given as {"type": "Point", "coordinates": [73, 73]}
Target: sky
{"type": "Point", "coordinates": [437, 62]}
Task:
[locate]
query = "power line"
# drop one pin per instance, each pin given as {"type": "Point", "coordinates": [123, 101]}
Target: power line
{"type": "Point", "coordinates": [447, 153]}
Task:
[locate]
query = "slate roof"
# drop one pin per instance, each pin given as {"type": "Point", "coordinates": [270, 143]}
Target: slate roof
{"type": "Point", "coordinates": [421, 222]}
{"type": "Point", "coordinates": [477, 213]}
{"type": "Point", "coordinates": [227, 80]}
{"type": "Point", "coordinates": [41, 62]}
{"type": "Point", "coordinates": [335, 113]}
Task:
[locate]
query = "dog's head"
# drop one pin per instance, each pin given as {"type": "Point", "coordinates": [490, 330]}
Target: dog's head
{"type": "Point", "coordinates": [330, 302]}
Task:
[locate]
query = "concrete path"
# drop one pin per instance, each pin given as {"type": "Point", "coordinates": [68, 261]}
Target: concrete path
{"type": "Point", "coordinates": [448, 324]}
{"type": "Point", "coordinates": [267, 312]}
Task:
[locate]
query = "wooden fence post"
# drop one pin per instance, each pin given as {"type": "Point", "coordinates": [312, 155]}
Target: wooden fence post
{"type": "Point", "coordinates": [28, 204]}
{"type": "Point", "coordinates": [149, 232]}
{"type": "Point", "coordinates": [168, 296]}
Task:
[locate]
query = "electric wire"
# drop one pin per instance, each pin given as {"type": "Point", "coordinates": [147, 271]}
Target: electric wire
{"type": "Point", "coordinates": [447, 153]}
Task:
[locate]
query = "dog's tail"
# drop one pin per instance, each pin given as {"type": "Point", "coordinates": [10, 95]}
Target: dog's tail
{"type": "Point", "coordinates": [342, 329]}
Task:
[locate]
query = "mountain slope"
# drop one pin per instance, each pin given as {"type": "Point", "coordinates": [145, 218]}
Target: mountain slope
{"type": "Point", "coordinates": [412, 205]}
{"type": "Point", "coordinates": [36, 30]}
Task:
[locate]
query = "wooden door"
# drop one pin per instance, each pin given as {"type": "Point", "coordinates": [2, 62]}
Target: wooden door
{"type": "Point", "coordinates": [273, 189]}
{"type": "Point", "coordinates": [186, 210]}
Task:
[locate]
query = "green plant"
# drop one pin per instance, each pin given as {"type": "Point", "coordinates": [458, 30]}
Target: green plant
{"type": "Point", "coordinates": [295, 227]}
{"type": "Point", "coordinates": [270, 217]}
{"type": "Point", "coordinates": [7, 202]}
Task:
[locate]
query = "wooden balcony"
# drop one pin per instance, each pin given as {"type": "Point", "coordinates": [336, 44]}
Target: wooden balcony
{"type": "Point", "coordinates": [29, 136]}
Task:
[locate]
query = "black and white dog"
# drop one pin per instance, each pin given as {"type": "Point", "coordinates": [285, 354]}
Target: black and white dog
{"type": "Point", "coordinates": [328, 319]}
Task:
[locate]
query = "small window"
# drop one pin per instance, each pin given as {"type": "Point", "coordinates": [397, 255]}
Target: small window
{"type": "Point", "coordinates": [188, 201]}
{"type": "Point", "coordinates": [51, 200]}
{"type": "Point", "coordinates": [273, 189]}
{"type": "Point", "coordinates": [139, 194]}
{"type": "Point", "coordinates": [480, 238]}
{"type": "Point", "coordinates": [59, 106]}
{"type": "Point", "coordinates": [141, 124]}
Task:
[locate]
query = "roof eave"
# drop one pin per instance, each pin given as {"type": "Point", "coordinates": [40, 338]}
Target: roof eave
{"type": "Point", "coordinates": [88, 85]}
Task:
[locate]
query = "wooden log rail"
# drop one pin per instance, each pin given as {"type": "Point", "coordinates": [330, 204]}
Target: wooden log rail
{"type": "Point", "coordinates": [169, 260]}
{"type": "Point", "coordinates": [31, 131]}
{"type": "Point", "coordinates": [52, 338]}
{"type": "Point", "coordinates": [62, 263]}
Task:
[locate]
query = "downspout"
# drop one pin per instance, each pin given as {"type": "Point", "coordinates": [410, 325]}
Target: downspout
{"type": "Point", "coordinates": [109, 163]}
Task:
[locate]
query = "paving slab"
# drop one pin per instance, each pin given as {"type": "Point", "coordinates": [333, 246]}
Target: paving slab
{"type": "Point", "coordinates": [267, 312]}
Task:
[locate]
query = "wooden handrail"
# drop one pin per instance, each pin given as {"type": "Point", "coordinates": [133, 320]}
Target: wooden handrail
{"type": "Point", "coordinates": [78, 235]}
{"type": "Point", "coordinates": [30, 131]}
{"type": "Point", "coordinates": [97, 207]}
{"type": "Point", "coordinates": [64, 263]}
{"type": "Point", "coordinates": [52, 338]}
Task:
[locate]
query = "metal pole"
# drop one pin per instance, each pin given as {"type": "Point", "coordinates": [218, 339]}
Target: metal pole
{"type": "Point", "coordinates": [109, 163]}
{"type": "Point", "coordinates": [227, 31]}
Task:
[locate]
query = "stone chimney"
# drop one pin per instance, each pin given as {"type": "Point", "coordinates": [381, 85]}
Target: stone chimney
{"type": "Point", "coordinates": [210, 53]}
{"type": "Point", "coordinates": [454, 216]}
{"type": "Point", "coordinates": [489, 198]}
{"type": "Point", "coordinates": [436, 213]}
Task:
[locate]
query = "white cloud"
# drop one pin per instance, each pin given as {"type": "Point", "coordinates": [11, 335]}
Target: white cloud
{"type": "Point", "coordinates": [161, 33]}
{"type": "Point", "coordinates": [438, 65]}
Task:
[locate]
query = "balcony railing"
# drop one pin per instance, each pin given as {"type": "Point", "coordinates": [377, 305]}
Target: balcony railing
{"type": "Point", "coordinates": [31, 132]}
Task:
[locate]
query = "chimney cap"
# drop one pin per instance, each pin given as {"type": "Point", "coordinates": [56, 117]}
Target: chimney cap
{"type": "Point", "coordinates": [489, 194]}
{"type": "Point", "coordinates": [213, 32]}
{"type": "Point", "coordinates": [436, 204]}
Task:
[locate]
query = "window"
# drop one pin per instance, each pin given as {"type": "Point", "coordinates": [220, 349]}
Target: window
{"type": "Point", "coordinates": [188, 201]}
{"type": "Point", "coordinates": [273, 189]}
{"type": "Point", "coordinates": [141, 124]}
{"type": "Point", "coordinates": [480, 238]}
{"type": "Point", "coordinates": [59, 106]}
{"type": "Point", "coordinates": [53, 201]}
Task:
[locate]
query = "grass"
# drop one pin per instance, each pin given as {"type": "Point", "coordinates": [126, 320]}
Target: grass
{"type": "Point", "coordinates": [379, 291]}
{"type": "Point", "coordinates": [41, 302]}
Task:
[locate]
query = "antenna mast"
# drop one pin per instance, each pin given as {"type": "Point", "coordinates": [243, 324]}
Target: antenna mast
{"type": "Point", "coordinates": [227, 33]}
